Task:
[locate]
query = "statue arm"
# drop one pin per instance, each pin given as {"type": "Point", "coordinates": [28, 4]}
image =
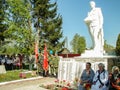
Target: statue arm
{"type": "Point", "coordinates": [88, 19]}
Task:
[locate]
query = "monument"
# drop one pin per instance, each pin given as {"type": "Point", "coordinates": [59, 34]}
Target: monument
{"type": "Point", "coordinates": [71, 68]}
{"type": "Point", "coordinates": [94, 22]}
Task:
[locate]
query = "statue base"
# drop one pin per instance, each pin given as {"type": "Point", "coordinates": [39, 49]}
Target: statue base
{"type": "Point", "coordinates": [92, 53]}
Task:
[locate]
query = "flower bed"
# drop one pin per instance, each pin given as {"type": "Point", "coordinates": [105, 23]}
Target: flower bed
{"type": "Point", "coordinates": [56, 87]}
{"type": "Point", "coordinates": [61, 85]}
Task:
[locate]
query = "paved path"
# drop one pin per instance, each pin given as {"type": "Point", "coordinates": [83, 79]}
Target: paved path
{"type": "Point", "coordinates": [31, 87]}
{"type": "Point", "coordinates": [31, 84]}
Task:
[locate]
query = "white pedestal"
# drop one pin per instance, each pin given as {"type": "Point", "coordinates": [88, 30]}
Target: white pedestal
{"type": "Point", "coordinates": [71, 68]}
{"type": "Point", "coordinates": [92, 53]}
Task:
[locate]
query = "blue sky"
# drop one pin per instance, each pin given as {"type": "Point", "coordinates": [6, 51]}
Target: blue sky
{"type": "Point", "coordinates": [74, 12]}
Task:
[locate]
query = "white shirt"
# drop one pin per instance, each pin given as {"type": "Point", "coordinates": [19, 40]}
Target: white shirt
{"type": "Point", "coordinates": [103, 79]}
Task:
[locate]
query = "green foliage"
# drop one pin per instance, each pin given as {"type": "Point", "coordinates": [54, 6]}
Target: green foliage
{"type": "Point", "coordinates": [118, 46]}
{"type": "Point", "coordinates": [20, 16]}
{"type": "Point", "coordinates": [48, 24]}
{"type": "Point", "coordinates": [2, 23]}
{"type": "Point", "coordinates": [108, 48]}
{"type": "Point", "coordinates": [53, 62]}
{"type": "Point", "coordinates": [78, 44]}
{"type": "Point", "coordinates": [19, 25]}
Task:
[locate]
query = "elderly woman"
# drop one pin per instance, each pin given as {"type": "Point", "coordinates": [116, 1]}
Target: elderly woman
{"type": "Point", "coordinates": [114, 79]}
{"type": "Point", "coordinates": [86, 77]}
{"type": "Point", "coordinates": [100, 79]}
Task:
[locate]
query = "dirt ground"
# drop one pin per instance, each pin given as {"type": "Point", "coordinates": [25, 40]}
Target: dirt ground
{"type": "Point", "coordinates": [28, 85]}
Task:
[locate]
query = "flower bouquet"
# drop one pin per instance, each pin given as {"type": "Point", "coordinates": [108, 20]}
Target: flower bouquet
{"type": "Point", "coordinates": [87, 86]}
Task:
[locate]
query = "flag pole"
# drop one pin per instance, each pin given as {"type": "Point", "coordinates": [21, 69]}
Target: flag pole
{"type": "Point", "coordinates": [36, 49]}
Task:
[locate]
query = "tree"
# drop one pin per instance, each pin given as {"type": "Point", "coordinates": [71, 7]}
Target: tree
{"type": "Point", "coordinates": [2, 23]}
{"type": "Point", "coordinates": [78, 44]}
{"type": "Point", "coordinates": [108, 48]}
{"type": "Point", "coordinates": [19, 25]}
{"type": "Point", "coordinates": [117, 50]}
{"type": "Point", "coordinates": [47, 24]}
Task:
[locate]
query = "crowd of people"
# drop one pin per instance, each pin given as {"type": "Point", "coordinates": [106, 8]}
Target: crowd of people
{"type": "Point", "coordinates": [11, 62]}
{"type": "Point", "coordinates": [101, 79]}
{"type": "Point", "coordinates": [18, 61]}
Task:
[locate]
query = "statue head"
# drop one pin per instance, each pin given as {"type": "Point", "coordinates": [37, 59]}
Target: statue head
{"type": "Point", "coordinates": [92, 4]}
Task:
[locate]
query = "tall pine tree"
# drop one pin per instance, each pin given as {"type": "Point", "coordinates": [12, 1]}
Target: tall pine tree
{"type": "Point", "coordinates": [47, 24]}
{"type": "Point", "coordinates": [2, 22]}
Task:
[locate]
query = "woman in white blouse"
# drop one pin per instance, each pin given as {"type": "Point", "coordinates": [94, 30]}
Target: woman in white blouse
{"type": "Point", "coordinates": [100, 80]}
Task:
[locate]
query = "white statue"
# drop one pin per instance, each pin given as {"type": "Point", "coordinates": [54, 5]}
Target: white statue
{"type": "Point", "coordinates": [94, 21]}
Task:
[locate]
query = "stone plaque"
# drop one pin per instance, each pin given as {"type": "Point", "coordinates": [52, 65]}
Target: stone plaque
{"type": "Point", "coordinates": [2, 69]}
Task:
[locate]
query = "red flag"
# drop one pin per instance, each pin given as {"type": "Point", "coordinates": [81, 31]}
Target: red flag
{"type": "Point", "coordinates": [45, 61]}
{"type": "Point", "coordinates": [36, 52]}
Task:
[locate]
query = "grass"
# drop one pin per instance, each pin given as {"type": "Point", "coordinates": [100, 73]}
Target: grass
{"type": "Point", "coordinates": [12, 75]}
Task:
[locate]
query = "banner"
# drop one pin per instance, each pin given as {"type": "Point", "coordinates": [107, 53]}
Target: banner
{"type": "Point", "coordinates": [45, 61]}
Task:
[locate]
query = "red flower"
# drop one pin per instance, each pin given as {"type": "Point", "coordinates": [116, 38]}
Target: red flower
{"type": "Point", "coordinates": [22, 75]}
{"type": "Point", "coordinates": [56, 81]}
{"type": "Point", "coordinates": [68, 84]}
{"type": "Point", "coordinates": [87, 85]}
{"type": "Point", "coordinates": [64, 81]}
{"type": "Point", "coordinates": [65, 88]}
